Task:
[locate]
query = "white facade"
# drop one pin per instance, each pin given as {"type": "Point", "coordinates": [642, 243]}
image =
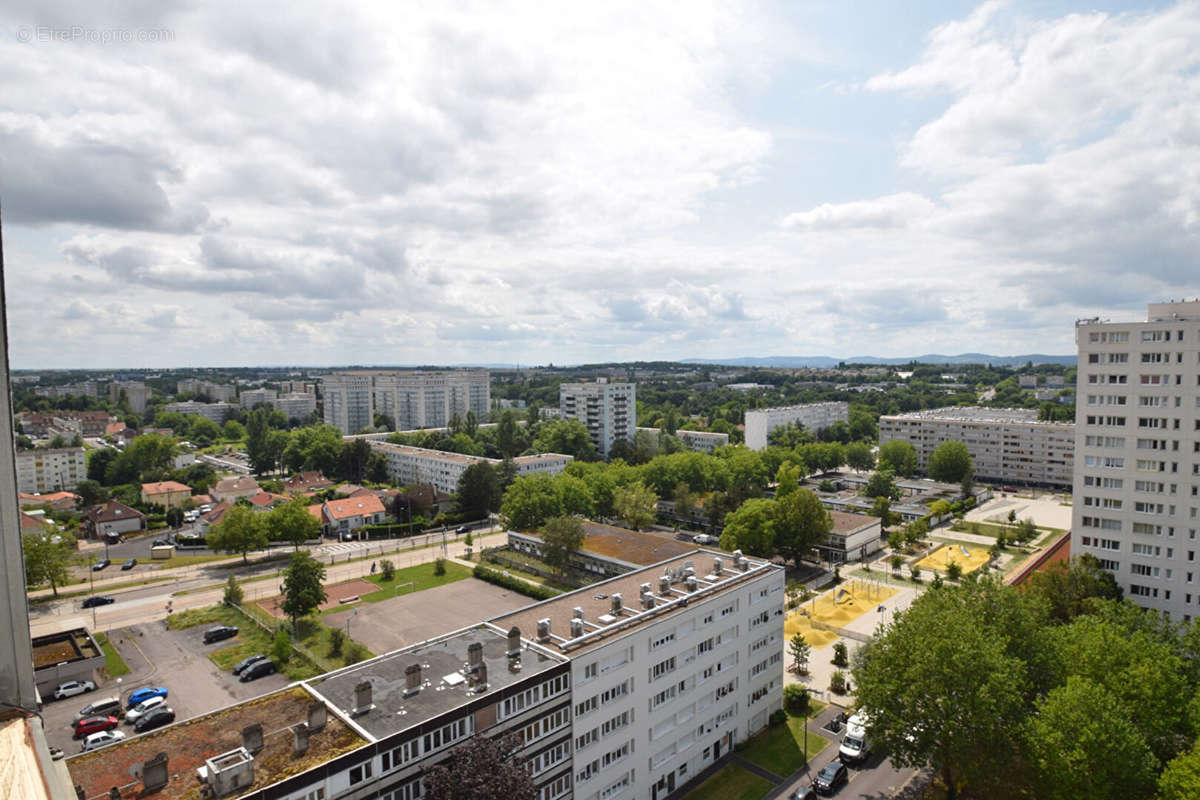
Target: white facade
{"type": "Point", "coordinates": [217, 412]}
{"type": "Point", "coordinates": [216, 392]}
{"type": "Point", "coordinates": [348, 402]}
{"type": "Point", "coordinates": [50, 470]}
{"type": "Point", "coordinates": [607, 410]}
{"type": "Point", "coordinates": [1137, 472]}
{"type": "Point", "coordinates": [408, 465]}
{"type": "Point", "coordinates": [430, 399]}
{"type": "Point", "coordinates": [136, 392]}
{"type": "Point", "coordinates": [813, 416]}
{"type": "Point", "coordinates": [252, 397]}
{"type": "Point", "coordinates": [1008, 445]}
{"type": "Point", "coordinates": [699, 441]}
{"type": "Point", "coordinates": [297, 405]}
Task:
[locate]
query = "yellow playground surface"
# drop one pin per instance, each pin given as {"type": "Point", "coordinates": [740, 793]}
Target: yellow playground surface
{"type": "Point", "coordinates": [837, 607]}
{"type": "Point", "coordinates": [969, 557]}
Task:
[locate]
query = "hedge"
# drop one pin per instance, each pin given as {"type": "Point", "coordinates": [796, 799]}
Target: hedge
{"type": "Point", "coordinates": [516, 584]}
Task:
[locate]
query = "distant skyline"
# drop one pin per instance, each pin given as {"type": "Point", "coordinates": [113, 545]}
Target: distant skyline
{"type": "Point", "coordinates": [514, 183]}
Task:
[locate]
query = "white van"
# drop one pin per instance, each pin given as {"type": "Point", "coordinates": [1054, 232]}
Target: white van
{"type": "Point", "coordinates": [856, 746]}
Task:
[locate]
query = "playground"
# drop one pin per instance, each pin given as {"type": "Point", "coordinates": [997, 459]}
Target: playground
{"type": "Point", "coordinates": [836, 608]}
{"type": "Point", "coordinates": [334, 594]}
{"type": "Point", "coordinates": [969, 557]}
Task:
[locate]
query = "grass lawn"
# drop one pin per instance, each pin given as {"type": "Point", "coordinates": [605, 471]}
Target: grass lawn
{"type": "Point", "coordinates": [250, 640]}
{"type": "Point", "coordinates": [189, 561]}
{"type": "Point", "coordinates": [731, 783]}
{"type": "Point", "coordinates": [421, 577]}
{"type": "Point", "coordinates": [780, 748]}
{"type": "Point", "coordinates": [114, 665]}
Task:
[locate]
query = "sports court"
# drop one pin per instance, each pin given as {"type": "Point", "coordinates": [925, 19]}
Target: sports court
{"type": "Point", "coordinates": [838, 608]}
{"type": "Point", "coordinates": [969, 557]}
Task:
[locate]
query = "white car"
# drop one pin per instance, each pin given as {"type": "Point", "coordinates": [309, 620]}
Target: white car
{"type": "Point", "coordinates": [101, 739]}
{"type": "Point", "coordinates": [704, 538]}
{"type": "Point", "coordinates": [72, 688]}
{"type": "Point", "coordinates": [139, 711]}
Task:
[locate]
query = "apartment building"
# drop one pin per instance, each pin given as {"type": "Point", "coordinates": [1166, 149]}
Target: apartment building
{"type": "Point", "coordinates": [431, 398]}
{"type": "Point", "coordinates": [1137, 475]}
{"type": "Point", "coordinates": [249, 398]}
{"type": "Point", "coordinates": [216, 392]}
{"type": "Point", "coordinates": [137, 393]}
{"type": "Point", "coordinates": [607, 410]}
{"type": "Point", "coordinates": [80, 389]}
{"type": "Point", "coordinates": [217, 412]}
{"type": "Point", "coordinates": [1007, 445]}
{"type": "Point", "coordinates": [41, 471]}
{"type": "Point", "coordinates": [699, 441]}
{"type": "Point", "coordinates": [408, 465]}
{"type": "Point", "coordinates": [813, 416]}
{"type": "Point", "coordinates": [296, 405]}
{"type": "Point", "coordinates": [665, 684]}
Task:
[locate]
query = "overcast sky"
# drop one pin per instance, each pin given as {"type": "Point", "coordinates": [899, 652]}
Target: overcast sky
{"type": "Point", "coordinates": [565, 182]}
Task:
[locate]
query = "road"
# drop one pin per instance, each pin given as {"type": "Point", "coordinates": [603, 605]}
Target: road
{"type": "Point", "coordinates": [186, 590]}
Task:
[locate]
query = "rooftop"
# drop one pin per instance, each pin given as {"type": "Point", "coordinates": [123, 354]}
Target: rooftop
{"type": "Point", "coordinates": [444, 685]}
{"type": "Point", "coordinates": [978, 414]}
{"type": "Point", "coordinates": [596, 600]}
{"type": "Point", "coordinates": [187, 744]}
{"type": "Point", "coordinates": [848, 523]}
{"type": "Point", "coordinates": [640, 549]}
{"type": "Point", "coordinates": [162, 487]}
{"type": "Point", "coordinates": [354, 507]}
{"type": "Point", "coordinates": [57, 648]}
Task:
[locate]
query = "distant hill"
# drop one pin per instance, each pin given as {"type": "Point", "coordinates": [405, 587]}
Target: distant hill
{"type": "Point", "coordinates": [929, 358]}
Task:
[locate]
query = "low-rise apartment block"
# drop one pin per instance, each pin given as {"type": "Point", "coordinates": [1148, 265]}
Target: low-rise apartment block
{"type": "Point", "coordinates": [408, 465]}
{"type": "Point", "coordinates": [296, 405]}
{"type": "Point", "coordinates": [249, 398]}
{"type": "Point", "coordinates": [1007, 445]}
{"type": "Point", "coordinates": [813, 416]}
{"type": "Point", "coordinates": [52, 470]}
{"type": "Point", "coordinates": [215, 392]}
{"type": "Point", "coordinates": [699, 441]}
{"type": "Point", "coordinates": [217, 412]}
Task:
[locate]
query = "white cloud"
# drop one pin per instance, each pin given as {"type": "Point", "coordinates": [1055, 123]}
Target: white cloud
{"type": "Point", "coordinates": [892, 211]}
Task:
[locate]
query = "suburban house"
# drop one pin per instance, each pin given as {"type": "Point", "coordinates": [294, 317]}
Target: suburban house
{"type": "Point", "coordinates": [344, 516]}
{"type": "Point", "coordinates": [113, 517]}
{"type": "Point", "coordinates": [59, 501]}
{"type": "Point", "coordinates": [306, 482]}
{"type": "Point", "coordinates": [231, 489]}
{"type": "Point", "coordinates": [33, 523]}
{"type": "Point", "coordinates": [168, 494]}
{"type": "Point", "coordinates": [216, 515]}
{"type": "Point", "coordinates": [265, 501]}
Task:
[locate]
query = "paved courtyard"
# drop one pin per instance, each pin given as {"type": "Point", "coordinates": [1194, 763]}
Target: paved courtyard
{"type": "Point", "coordinates": [391, 624]}
{"type": "Point", "coordinates": [1047, 510]}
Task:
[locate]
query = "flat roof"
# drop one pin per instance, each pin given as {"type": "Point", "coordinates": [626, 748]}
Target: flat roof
{"type": "Point", "coordinates": [848, 523]}
{"type": "Point", "coordinates": [596, 599]}
{"type": "Point", "coordinates": [444, 684]}
{"type": "Point", "coordinates": [978, 414]}
{"type": "Point", "coordinates": [187, 745]}
{"type": "Point", "coordinates": [57, 648]}
{"type": "Point", "coordinates": [627, 546]}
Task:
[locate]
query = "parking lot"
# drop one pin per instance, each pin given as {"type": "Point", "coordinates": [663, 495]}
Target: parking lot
{"type": "Point", "coordinates": [404, 620]}
{"type": "Point", "coordinates": [176, 660]}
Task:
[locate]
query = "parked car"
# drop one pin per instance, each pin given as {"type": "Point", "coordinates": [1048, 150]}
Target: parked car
{"type": "Point", "coordinates": [97, 600]}
{"type": "Point", "coordinates": [831, 777]}
{"type": "Point", "coordinates": [160, 543]}
{"type": "Point", "coordinates": [113, 538]}
{"type": "Point", "coordinates": [704, 538]}
{"type": "Point", "coordinates": [89, 725]}
{"type": "Point", "coordinates": [56, 754]}
{"type": "Point", "coordinates": [462, 529]}
{"type": "Point", "coordinates": [144, 694]}
{"type": "Point", "coordinates": [246, 662]}
{"type": "Point", "coordinates": [804, 793]}
{"type": "Point", "coordinates": [130, 564]}
{"type": "Point", "coordinates": [101, 739]}
{"type": "Point", "coordinates": [156, 718]}
{"type": "Point", "coordinates": [102, 564]}
{"type": "Point", "coordinates": [142, 708]}
{"type": "Point", "coordinates": [108, 707]}
{"type": "Point", "coordinates": [219, 633]}
{"type": "Point", "coordinates": [258, 669]}
{"type": "Point", "coordinates": [72, 688]}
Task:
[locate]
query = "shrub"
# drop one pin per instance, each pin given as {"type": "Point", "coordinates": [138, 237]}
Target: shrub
{"type": "Point", "coordinates": [837, 682]}
{"type": "Point", "coordinates": [468, 540]}
{"type": "Point", "coordinates": [796, 698]}
{"type": "Point", "coordinates": [233, 593]}
{"type": "Point", "coordinates": [515, 584]}
{"type": "Point", "coordinates": [827, 486]}
{"type": "Point", "coordinates": [936, 583]}
{"type": "Point", "coordinates": [837, 574]}
{"type": "Point", "coordinates": [357, 652]}
{"type": "Point", "coordinates": [439, 567]}
{"type": "Point", "coordinates": [953, 570]}
{"type": "Point", "coordinates": [337, 638]}
{"type": "Point", "coordinates": [778, 716]}
{"type": "Point", "coordinates": [387, 569]}
{"type": "Point", "coordinates": [840, 658]}
{"type": "Point", "coordinates": [916, 573]}
{"type": "Point", "coordinates": [281, 647]}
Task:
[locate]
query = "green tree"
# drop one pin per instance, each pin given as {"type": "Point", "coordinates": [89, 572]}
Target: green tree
{"type": "Point", "coordinates": [241, 530]}
{"type": "Point", "coordinates": [800, 523]}
{"type": "Point", "coordinates": [568, 436]}
{"type": "Point", "coordinates": [898, 456]}
{"type": "Point", "coordinates": [303, 589]}
{"type": "Point", "coordinates": [233, 592]}
{"type": "Point", "coordinates": [636, 504]}
{"type": "Point", "coordinates": [387, 570]}
{"type": "Point", "coordinates": [859, 456]}
{"type": "Point", "coordinates": [1181, 778]}
{"type": "Point", "coordinates": [561, 536]}
{"type": "Point", "coordinates": [49, 556]}
{"type": "Point", "coordinates": [881, 484]}
{"type": "Point", "coordinates": [882, 509]}
{"type": "Point", "coordinates": [800, 651]}
{"type": "Point", "coordinates": [90, 492]}
{"type": "Point", "coordinates": [478, 490]}
{"type": "Point", "coordinates": [337, 638]}
{"type": "Point", "coordinates": [352, 461]}
{"type": "Point", "coordinates": [257, 449]}
{"type": "Point", "coordinates": [292, 522]}
{"type": "Point", "coordinates": [787, 480]}
{"type": "Point", "coordinates": [281, 647]}
{"type": "Point", "coordinates": [950, 463]}
{"type": "Point", "coordinates": [233, 431]}
{"type": "Point", "coordinates": [98, 462]}
{"type": "Point", "coordinates": [1073, 589]}
{"type": "Point", "coordinates": [508, 434]}
{"type": "Point", "coordinates": [203, 431]}
{"type": "Point", "coordinates": [573, 496]}
{"type": "Point", "coordinates": [483, 769]}
{"type": "Point", "coordinates": [316, 447]}
{"type": "Point", "coordinates": [751, 528]}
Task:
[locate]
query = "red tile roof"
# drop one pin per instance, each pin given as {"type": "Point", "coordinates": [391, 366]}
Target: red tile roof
{"type": "Point", "coordinates": [162, 487]}
{"type": "Point", "coordinates": [353, 507]}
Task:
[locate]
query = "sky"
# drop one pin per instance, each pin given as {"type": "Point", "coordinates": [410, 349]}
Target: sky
{"type": "Point", "coordinates": [232, 184]}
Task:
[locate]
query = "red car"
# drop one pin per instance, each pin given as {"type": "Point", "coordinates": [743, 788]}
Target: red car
{"type": "Point", "coordinates": [89, 725]}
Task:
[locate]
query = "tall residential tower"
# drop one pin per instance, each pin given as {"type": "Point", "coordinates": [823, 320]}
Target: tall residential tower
{"type": "Point", "coordinates": [607, 410]}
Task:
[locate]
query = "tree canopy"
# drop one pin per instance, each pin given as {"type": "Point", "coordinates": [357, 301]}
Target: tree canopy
{"type": "Point", "coordinates": [899, 456]}
{"type": "Point", "coordinates": [303, 586]}
{"type": "Point", "coordinates": [561, 536]}
{"type": "Point", "coordinates": [636, 504]}
{"type": "Point", "coordinates": [950, 462]}
{"type": "Point", "coordinates": [241, 530]}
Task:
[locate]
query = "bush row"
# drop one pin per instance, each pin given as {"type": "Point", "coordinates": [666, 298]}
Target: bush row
{"type": "Point", "coordinates": [516, 584]}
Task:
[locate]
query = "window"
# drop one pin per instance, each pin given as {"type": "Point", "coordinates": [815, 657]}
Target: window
{"type": "Point", "coordinates": [360, 773]}
{"type": "Point", "coordinates": [666, 638]}
{"type": "Point", "coordinates": [662, 668]}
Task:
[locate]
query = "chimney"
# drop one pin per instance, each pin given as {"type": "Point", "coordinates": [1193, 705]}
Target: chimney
{"type": "Point", "coordinates": [481, 679]}
{"type": "Point", "coordinates": [543, 630]}
{"type": "Point", "coordinates": [317, 715]}
{"type": "Point", "coordinates": [691, 583]}
{"type": "Point", "coordinates": [644, 589]}
{"type": "Point", "coordinates": [514, 642]}
{"type": "Point", "coordinates": [648, 601]}
{"type": "Point", "coordinates": [362, 698]}
{"type": "Point", "coordinates": [577, 613]}
{"type": "Point", "coordinates": [252, 738]}
{"type": "Point", "coordinates": [717, 566]}
{"type": "Point", "coordinates": [154, 772]}
{"type": "Point", "coordinates": [412, 679]}
{"type": "Point", "coordinates": [576, 628]}
{"type": "Point", "coordinates": [474, 656]}
{"type": "Point", "coordinates": [743, 564]}
{"type": "Point", "coordinates": [664, 584]}
{"type": "Point", "coordinates": [615, 604]}
{"type": "Point", "coordinates": [300, 738]}
{"type": "Point", "coordinates": [737, 554]}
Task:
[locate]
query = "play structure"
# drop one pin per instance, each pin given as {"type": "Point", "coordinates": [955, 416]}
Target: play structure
{"type": "Point", "coordinates": [966, 556]}
{"type": "Point", "coordinates": [836, 609]}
